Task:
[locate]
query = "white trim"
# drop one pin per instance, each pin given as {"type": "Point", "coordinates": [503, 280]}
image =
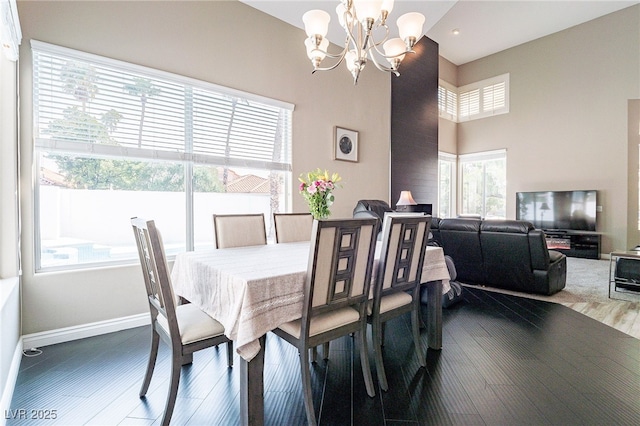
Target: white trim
{"type": "Point", "coordinates": [447, 156]}
{"type": "Point", "coordinates": [107, 151]}
{"type": "Point", "coordinates": [67, 334]}
{"type": "Point", "coordinates": [484, 155]}
{"type": "Point", "coordinates": [10, 32]}
{"type": "Point", "coordinates": [10, 385]}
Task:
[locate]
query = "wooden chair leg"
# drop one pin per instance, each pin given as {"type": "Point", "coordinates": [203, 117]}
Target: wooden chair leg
{"type": "Point", "coordinates": [187, 359]}
{"type": "Point", "coordinates": [153, 355]}
{"type": "Point", "coordinates": [306, 387]}
{"type": "Point", "coordinates": [325, 350]}
{"type": "Point", "coordinates": [230, 353]}
{"type": "Point", "coordinates": [364, 358]}
{"type": "Point", "coordinates": [377, 350]}
{"type": "Point", "coordinates": [173, 389]}
{"type": "Point", "coordinates": [415, 325]}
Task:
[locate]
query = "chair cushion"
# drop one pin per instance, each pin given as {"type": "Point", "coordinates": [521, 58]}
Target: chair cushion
{"type": "Point", "coordinates": [391, 302]}
{"type": "Point", "coordinates": [323, 322]}
{"type": "Point", "coordinates": [193, 323]}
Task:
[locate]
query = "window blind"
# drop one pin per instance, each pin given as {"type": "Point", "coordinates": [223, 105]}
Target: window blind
{"type": "Point", "coordinates": [484, 98]}
{"type": "Point", "coordinates": [447, 101]}
{"type": "Point", "coordinates": [85, 103]}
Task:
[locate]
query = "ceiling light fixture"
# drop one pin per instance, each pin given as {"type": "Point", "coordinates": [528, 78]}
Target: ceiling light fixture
{"type": "Point", "coordinates": [359, 19]}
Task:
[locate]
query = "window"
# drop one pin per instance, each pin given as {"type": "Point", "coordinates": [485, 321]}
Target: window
{"type": "Point", "coordinates": [483, 181]}
{"type": "Point", "coordinates": [447, 185]}
{"type": "Point", "coordinates": [484, 98]}
{"type": "Point", "coordinates": [115, 140]}
{"type": "Point", "coordinates": [447, 101]}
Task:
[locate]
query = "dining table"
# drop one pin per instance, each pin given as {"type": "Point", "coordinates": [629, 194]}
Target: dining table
{"type": "Point", "coordinates": [254, 289]}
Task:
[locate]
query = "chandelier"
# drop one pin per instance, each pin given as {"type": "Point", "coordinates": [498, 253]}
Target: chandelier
{"type": "Point", "coordinates": [360, 19]}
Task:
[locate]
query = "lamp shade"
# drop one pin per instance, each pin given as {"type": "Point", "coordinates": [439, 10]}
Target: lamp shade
{"type": "Point", "coordinates": [406, 199]}
{"type": "Point", "coordinates": [350, 60]}
{"type": "Point", "coordinates": [387, 5]}
{"type": "Point", "coordinates": [319, 52]}
{"type": "Point", "coordinates": [410, 25]}
{"type": "Point", "coordinates": [316, 22]}
{"type": "Point", "coordinates": [394, 48]}
{"type": "Point", "coordinates": [367, 9]}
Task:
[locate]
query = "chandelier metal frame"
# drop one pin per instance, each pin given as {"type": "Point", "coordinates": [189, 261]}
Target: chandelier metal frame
{"type": "Point", "coordinates": [360, 45]}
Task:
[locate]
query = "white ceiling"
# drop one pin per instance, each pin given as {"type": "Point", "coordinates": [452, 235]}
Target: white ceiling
{"type": "Point", "coordinates": [486, 27]}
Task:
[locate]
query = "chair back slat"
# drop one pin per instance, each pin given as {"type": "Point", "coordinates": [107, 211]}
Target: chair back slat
{"type": "Point", "coordinates": [292, 227]}
{"type": "Point", "coordinates": [340, 263]}
{"type": "Point", "coordinates": [239, 230]}
{"type": "Point", "coordinates": [155, 272]}
{"type": "Point", "coordinates": [404, 242]}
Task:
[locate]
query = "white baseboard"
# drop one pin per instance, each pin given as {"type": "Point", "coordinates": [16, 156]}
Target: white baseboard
{"type": "Point", "coordinates": [7, 392]}
{"type": "Point", "coordinates": [67, 334]}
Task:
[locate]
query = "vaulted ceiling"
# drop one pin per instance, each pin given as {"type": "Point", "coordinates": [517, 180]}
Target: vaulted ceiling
{"type": "Point", "coordinates": [484, 27]}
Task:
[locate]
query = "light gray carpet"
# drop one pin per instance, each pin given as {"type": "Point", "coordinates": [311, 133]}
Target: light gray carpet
{"type": "Point", "coordinates": [587, 292]}
{"type": "Point", "coordinates": [587, 281]}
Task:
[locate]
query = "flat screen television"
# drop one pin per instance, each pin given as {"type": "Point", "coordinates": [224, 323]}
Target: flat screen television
{"type": "Point", "coordinates": [558, 210]}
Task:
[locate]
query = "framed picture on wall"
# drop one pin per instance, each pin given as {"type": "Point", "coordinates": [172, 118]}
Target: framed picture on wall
{"type": "Point", "coordinates": [345, 144]}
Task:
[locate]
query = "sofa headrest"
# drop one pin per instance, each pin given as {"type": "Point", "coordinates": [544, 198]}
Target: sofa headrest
{"type": "Point", "coordinates": [455, 224]}
{"type": "Point", "coordinates": [435, 222]}
{"type": "Point", "coordinates": [378, 207]}
{"type": "Point", "coordinates": [510, 226]}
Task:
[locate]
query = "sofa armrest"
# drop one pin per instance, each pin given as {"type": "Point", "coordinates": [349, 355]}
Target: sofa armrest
{"type": "Point", "coordinates": [539, 251]}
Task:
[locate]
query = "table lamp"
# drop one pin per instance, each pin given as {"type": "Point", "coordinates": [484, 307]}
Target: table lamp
{"type": "Point", "coordinates": [405, 200]}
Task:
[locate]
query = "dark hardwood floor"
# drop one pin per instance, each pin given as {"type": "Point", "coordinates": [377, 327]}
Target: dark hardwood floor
{"type": "Point", "coordinates": [506, 360]}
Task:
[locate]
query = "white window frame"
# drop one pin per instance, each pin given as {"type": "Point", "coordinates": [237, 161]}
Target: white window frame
{"type": "Point", "coordinates": [447, 101]}
{"type": "Point", "coordinates": [453, 160]}
{"type": "Point", "coordinates": [473, 99]}
{"type": "Point", "coordinates": [189, 157]}
{"type": "Point", "coordinates": [475, 157]}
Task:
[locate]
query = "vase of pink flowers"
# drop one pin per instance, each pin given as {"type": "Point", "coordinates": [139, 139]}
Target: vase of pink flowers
{"type": "Point", "coordinates": [317, 187]}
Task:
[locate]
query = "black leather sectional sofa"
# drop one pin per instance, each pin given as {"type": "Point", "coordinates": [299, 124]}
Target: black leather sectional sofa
{"type": "Point", "coordinates": [509, 254]}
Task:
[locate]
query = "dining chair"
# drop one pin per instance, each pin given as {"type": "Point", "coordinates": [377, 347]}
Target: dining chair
{"type": "Point", "coordinates": [239, 230]}
{"type": "Point", "coordinates": [396, 289]}
{"type": "Point", "coordinates": [185, 328]}
{"type": "Point", "coordinates": [292, 227]}
{"type": "Point", "coordinates": [335, 294]}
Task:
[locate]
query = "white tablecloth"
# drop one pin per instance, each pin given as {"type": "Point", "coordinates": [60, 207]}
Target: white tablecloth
{"type": "Point", "coordinates": [252, 290]}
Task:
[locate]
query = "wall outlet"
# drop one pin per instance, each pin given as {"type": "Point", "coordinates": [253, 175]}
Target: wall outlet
{"type": "Point", "coordinates": [599, 209]}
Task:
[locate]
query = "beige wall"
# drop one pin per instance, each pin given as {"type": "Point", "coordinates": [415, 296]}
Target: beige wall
{"type": "Point", "coordinates": [633, 234]}
{"type": "Point", "coordinates": [201, 40]}
{"type": "Point", "coordinates": [568, 122]}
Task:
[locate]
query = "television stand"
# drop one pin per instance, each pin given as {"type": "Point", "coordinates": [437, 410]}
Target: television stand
{"type": "Point", "coordinates": [583, 244]}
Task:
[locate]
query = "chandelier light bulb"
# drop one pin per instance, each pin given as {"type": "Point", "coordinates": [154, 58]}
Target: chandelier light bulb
{"type": "Point", "coordinates": [367, 9]}
{"type": "Point", "coordinates": [316, 22]}
{"type": "Point", "coordinates": [367, 36]}
{"type": "Point", "coordinates": [316, 53]}
{"type": "Point", "coordinates": [395, 49]}
{"type": "Point", "coordinates": [350, 60]}
{"type": "Point", "coordinates": [410, 27]}
{"type": "Point", "coordinates": [340, 11]}
{"type": "Point", "coordinates": [387, 5]}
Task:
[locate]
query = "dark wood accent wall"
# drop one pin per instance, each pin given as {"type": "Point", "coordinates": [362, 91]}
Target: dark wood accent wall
{"type": "Point", "coordinates": [414, 125]}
